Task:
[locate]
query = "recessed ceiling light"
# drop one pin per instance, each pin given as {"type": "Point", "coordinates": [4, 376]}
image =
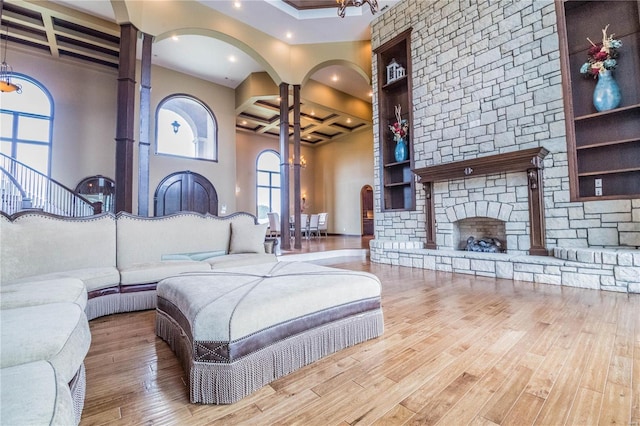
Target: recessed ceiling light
{"type": "Point", "coordinates": [370, 94]}
{"type": "Point", "coordinates": [348, 120]}
{"type": "Point", "coordinates": [232, 58]}
{"type": "Point", "coordinates": [244, 122]}
{"type": "Point", "coordinates": [335, 77]}
{"type": "Point", "coordinates": [174, 38]}
{"type": "Point", "coordinates": [289, 34]}
{"type": "Point", "coordinates": [237, 4]}
{"type": "Point", "coordinates": [313, 112]}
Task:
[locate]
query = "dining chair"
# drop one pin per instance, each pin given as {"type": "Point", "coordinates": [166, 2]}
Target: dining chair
{"type": "Point", "coordinates": [304, 225]}
{"type": "Point", "coordinates": [274, 224]}
{"type": "Point", "coordinates": [322, 223]}
{"type": "Point", "coordinates": [314, 220]}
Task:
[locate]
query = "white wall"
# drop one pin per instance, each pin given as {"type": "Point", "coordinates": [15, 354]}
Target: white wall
{"type": "Point", "coordinates": [346, 165]}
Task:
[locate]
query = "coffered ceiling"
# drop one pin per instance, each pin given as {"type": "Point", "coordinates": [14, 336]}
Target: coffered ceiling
{"type": "Point", "coordinates": [87, 31]}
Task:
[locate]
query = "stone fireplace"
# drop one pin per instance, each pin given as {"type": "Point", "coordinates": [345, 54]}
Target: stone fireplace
{"type": "Point", "coordinates": [500, 194]}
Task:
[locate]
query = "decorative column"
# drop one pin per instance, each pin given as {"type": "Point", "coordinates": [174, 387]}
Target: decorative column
{"type": "Point", "coordinates": [296, 165]}
{"type": "Point", "coordinates": [536, 209]}
{"type": "Point", "coordinates": [145, 116]}
{"type": "Point", "coordinates": [430, 216]}
{"type": "Point", "coordinates": [125, 118]}
{"type": "Point", "coordinates": [285, 241]}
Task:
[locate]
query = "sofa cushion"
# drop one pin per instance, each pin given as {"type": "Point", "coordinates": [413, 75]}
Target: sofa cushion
{"type": "Point", "coordinates": [246, 238]}
{"type": "Point", "coordinates": [42, 292]}
{"type": "Point", "coordinates": [93, 278]}
{"type": "Point", "coordinates": [146, 239]}
{"type": "Point", "coordinates": [38, 243]}
{"type": "Point", "coordinates": [200, 255]}
{"type": "Point", "coordinates": [56, 332]}
{"type": "Point", "coordinates": [33, 394]}
{"type": "Point", "coordinates": [152, 272]}
{"type": "Point", "coordinates": [241, 259]}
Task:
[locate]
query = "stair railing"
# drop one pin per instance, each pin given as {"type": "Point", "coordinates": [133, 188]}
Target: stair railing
{"type": "Point", "coordinates": [45, 193]}
{"type": "Point", "coordinates": [12, 197]}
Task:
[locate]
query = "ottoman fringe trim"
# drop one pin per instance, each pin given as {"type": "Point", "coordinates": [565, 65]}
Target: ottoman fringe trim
{"type": "Point", "coordinates": [220, 383]}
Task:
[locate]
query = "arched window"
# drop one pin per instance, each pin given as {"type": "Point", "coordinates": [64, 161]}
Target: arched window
{"type": "Point", "coordinates": [267, 184]}
{"type": "Point", "coordinates": [186, 127]}
{"type": "Point", "coordinates": [26, 123]}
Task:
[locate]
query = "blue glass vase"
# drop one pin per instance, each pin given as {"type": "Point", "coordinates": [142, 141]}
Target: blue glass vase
{"type": "Point", "coordinates": [401, 152]}
{"type": "Point", "coordinates": [606, 95]}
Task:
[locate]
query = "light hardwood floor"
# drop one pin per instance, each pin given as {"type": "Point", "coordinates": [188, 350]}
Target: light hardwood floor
{"type": "Point", "coordinates": [456, 350]}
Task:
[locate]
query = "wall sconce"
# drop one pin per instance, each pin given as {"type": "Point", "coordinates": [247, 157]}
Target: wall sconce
{"type": "Point", "coordinates": [176, 126]}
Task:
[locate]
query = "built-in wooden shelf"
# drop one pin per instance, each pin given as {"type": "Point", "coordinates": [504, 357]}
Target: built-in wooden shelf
{"type": "Point", "coordinates": [601, 145]}
{"type": "Point", "coordinates": [397, 182]}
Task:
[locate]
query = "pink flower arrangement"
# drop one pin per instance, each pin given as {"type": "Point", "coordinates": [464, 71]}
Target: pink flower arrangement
{"type": "Point", "coordinates": [601, 56]}
{"type": "Point", "coordinates": [400, 128]}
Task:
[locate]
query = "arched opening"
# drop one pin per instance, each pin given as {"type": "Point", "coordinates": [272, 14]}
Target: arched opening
{"type": "Point", "coordinates": [366, 210]}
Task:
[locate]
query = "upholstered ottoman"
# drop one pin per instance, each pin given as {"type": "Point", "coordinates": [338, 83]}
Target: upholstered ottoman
{"type": "Point", "coordinates": [237, 329]}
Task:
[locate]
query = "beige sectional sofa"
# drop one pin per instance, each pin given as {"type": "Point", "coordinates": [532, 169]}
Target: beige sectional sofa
{"type": "Point", "coordinates": [57, 273]}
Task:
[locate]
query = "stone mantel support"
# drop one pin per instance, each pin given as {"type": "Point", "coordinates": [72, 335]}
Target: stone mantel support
{"type": "Point", "coordinates": [526, 160]}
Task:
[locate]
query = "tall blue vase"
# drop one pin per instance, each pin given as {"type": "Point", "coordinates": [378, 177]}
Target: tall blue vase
{"type": "Point", "coordinates": [606, 95]}
{"type": "Point", "coordinates": [401, 152]}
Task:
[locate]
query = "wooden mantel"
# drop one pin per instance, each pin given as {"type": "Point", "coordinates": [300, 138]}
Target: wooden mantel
{"type": "Point", "coordinates": [526, 160]}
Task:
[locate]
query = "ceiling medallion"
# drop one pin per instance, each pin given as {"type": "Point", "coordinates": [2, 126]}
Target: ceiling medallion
{"type": "Point", "coordinates": [342, 5]}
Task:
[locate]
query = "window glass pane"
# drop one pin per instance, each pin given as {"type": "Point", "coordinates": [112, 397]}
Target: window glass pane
{"type": "Point", "coordinates": [263, 202]}
{"type": "Point", "coordinates": [275, 180]}
{"type": "Point", "coordinates": [34, 129]}
{"type": "Point", "coordinates": [5, 148]}
{"type": "Point", "coordinates": [269, 160]}
{"type": "Point", "coordinates": [263, 178]}
{"type": "Point", "coordinates": [275, 201]}
{"type": "Point", "coordinates": [185, 127]}
{"type": "Point", "coordinates": [6, 125]}
{"type": "Point", "coordinates": [35, 156]}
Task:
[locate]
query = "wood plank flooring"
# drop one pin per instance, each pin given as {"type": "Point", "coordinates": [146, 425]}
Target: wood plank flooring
{"type": "Point", "coordinates": [456, 350]}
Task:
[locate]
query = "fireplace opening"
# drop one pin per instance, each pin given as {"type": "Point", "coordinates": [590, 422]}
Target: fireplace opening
{"type": "Point", "coordinates": [481, 234]}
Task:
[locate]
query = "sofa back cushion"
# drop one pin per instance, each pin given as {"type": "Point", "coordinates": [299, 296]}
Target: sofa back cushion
{"type": "Point", "coordinates": [36, 243]}
{"type": "Point", "coordinates": [150, 239]}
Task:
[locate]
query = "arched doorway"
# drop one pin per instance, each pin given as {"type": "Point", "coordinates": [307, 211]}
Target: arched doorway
{"type": "Point", "coordinates": [185, 191]}
{"type": "Point", "coordinates": [366, 210]}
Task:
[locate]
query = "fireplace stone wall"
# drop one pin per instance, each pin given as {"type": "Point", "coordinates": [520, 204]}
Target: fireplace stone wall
{"type": "Point", "coordinates": [502, 197]}
{"type": "Point", "coordinates": [486, 80]}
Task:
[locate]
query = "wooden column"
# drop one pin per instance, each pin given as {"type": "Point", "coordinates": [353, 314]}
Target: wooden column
{"type": "Point", "coordinates": [430, 216]}
{"type": "Point", "coordinates": [296, 165]}
{"type": "Point", "coordinates": [145, 119]}
{"type": "Point", "coordinates": [285, 241]}
{"type": "Point", "coordinates": [125, 118]}
{"type": "Point", "coordinates": [536, 210]}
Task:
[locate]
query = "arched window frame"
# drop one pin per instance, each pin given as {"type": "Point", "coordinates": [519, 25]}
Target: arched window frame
{"type": "Point", "coordinates": [14, 140]}
{"type": "Point", "coordinates": [270, 187]}
{"type": "Point", "coordinates": [192, 124]}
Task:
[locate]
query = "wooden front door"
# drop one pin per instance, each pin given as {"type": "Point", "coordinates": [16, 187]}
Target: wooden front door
{"type": "Point", "coordinates": [185, 191]}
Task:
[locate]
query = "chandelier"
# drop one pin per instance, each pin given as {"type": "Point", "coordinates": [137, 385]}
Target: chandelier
{"type": "Point", "coordinates": [6, 70]}
{"type": "Point", "coordinates": [342, 5]}
{"type": "Point", "coordinates": [303, 162]}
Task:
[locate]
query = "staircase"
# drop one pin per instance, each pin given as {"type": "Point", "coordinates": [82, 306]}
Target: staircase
{"type": "Point", "coordinates": [23, 188]}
